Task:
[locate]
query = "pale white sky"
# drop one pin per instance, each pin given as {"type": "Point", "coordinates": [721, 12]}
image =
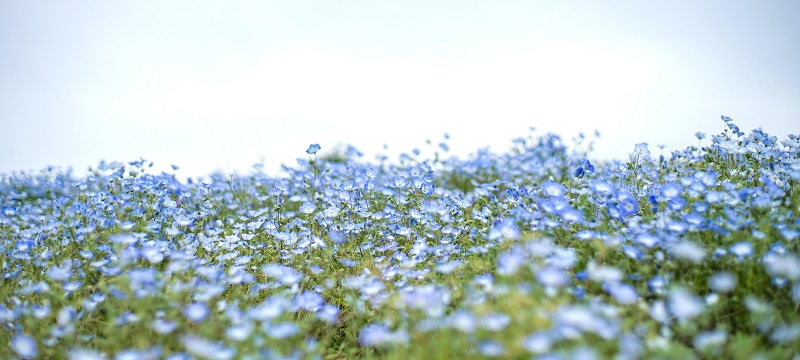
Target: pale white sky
{"type": "Point", "coordinates": [208, 85]}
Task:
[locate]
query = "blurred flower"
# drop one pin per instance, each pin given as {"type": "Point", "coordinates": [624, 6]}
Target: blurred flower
{"type": "Point", "coordinates": [24, 346]}
{"type": "Point", "coordinates": [312, 149]}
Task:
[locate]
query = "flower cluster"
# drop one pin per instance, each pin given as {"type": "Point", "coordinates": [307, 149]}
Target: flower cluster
{"type": "Point", "coordinates": [537, 252]}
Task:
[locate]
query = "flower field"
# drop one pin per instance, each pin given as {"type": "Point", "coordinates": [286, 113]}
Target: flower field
{"type": "Point", "coordinates": [538, 252]}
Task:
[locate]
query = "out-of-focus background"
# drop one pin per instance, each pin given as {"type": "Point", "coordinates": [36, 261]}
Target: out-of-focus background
{"type": "Point", "coordinates": [223, 85]}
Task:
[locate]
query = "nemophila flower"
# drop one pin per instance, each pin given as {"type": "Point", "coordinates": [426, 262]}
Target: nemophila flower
{"type": "Point", "coordinates": [628, 206]}
{"type": "Point", "coordinates": [270, 309]}
{"type": "Point", "coordinates": [578, 172]}
{"type": "Point", "coordinates": [463, 321]}
{"type": "Point", "coordinates": [281, 330]}
{"type": "Point", "coordinates": [551, 276]}
{"type": "Point", "coordinates": [282, 273]}
{"type": "Point", "coordinates": [722, 282]}
{"type": "Point", "coordinates": [196, 312]}
{"type": "Point", "coordinates": [633, 252]}
{"type": "Point", "coordinates": [8, 211]}
{"type": "Point", "coordinates": [85, 354]}
{"type": "Point", "coordinates": [785, 266]}
{"type": "Point", "coordinates": [163, 326]}
{"type": "Point", "coordinates": [508, 263]}
{"type": "Point", "coordinates": [40, 312]}
{"type": "Point", "coordinates": [711, 341]}
{"type": "Point", "coordinates": [153, 254]}
{"type": "Point", "coordinates": [126, 318]}
{"type": "Point", "coordinates": [623, 293]}
{"type": "Point", "coordinates": [671, 190]}
{"type": "Point", "coordinates": [240, 332]}
{"type": "Point", "coordinates": [495, 321]}
{"type": "Point", "coordinates": [432, 299]}
{"type": "Point", "coordinates": [684, 305]}
{"type": "Point", "coordinates": [741, 249]}
{"type": "Point", "coordinates": [379, 334]}
{"type": "Point", "coordinates": [640, 152]}
{"type": "Point", "coordinates": [491, 348]}
{"type": "Point", "coordinates": [602, 188]}
{"type": "Point", "coordinates": [309, 300]}
{"type": "Point", "coordinates": [790, 234]}
{"type": "Point", "coordinates": [61, 273]}
{"type": "Point", "coordinates": [148, 354]}
{"type": "Point", "coordinates": [676, 204]}
{"type": "Point", "coordinates": [786, 334]}
{"type": "Point", "coordinates": [67, 316]}
{"type": "Point", "coordinates": [307, 208]}
{"type": "Point", "coordinates": [312, 149]}
{"type": "Point", "coordinates": [658, 311]}
{"type": "Point", "coordinates": [572, 320]}
{"type": "Point", "coordinates": [602, 274]}
{"type": "Point", "coordinates": [630, 347]}
{"type": "Point", "coordinates": [647, 240]}
{"type": "Point", "coordinates": [538, 343]}
{"type": "Point", "coordinates": [505, 229]}
{"type": "Point", "coordinates": [571, 215]}
{"type": "Point", "coordinates": [552, 188]}
{"type": "Point", "coordinates": [328, 313]}
{"type": "Point", "coordinates": [688, 250]}
{"type": "Point", "coordinates": [588, 167]}
{"type": "Point", "coordinates": [207, 349]}
{"type": "Point", "coordinates": [24, 346]}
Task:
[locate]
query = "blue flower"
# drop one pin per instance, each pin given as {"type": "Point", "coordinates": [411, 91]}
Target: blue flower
{"type": "Point", "coordinates": [601, 188]}
{"type": "Point", "coordinates": [628, 206]}
{"type": "Point", "coordinates": [379, 334]}
{"type": "Point", "coordinates": [505, 230]}
{"type": "Point", "coordinates": [622, 293]}
{"type": "Point", "coordinates": [196, 312]}
{"type": "Point", "coordinates": [491, 348]}
{"type": "Point", "coordinates": [588, 166]}
{"type": "Point", "coordinates": [24, 346]}
{"type": "Point", "coordinates": [163, 326]}
{"type": "Point", "coordinates": [578, 172]}
{"type": "Point", "coordinates": [671, 190]}
{"type": "Point", "coordinates": [282, 330]}
{"type": "Point", "coordinates": [313, 148]}
{"type": "Point", "coordinates": [552, 188]}
{"type": "Point", "coordinates": [742, 249]}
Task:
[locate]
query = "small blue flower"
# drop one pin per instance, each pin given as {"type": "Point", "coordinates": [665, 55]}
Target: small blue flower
{"type": "Point", "coordinates": [24, 346]}
{"type": "Point", "coordinates": [601, 188]}
{"type": "Point", "coordinates": [671, 190]}
{"type": "Point", "coordinates": [628, 206]}
{"type": "Point", "coordinates": [588, 166]}
{"type": "Point", "coordinates": [647, 240]}
{"type": "Point", "coordinates": [552, 188]}
{"type": "Point", "coordinates": [282, 330]}
{"type": "Point", "coordinates": [313, 148]}
{"type": "Point", "coordinates": [579, 172]}
{"type": "Point", "coordinates": [307, 208]}
{"type": "Point", "coordinates": [379, 334]}
{"type": "Point", "coordinates": [196, 312]}
{"type": "Point", "coordinates": [622, 293]}
{"type": "Point", "coordinates": [742, 249]}
{"type": "Point", "coordinates": [491, 348]}
{"type": "Point", "coordinates": [163, 327]}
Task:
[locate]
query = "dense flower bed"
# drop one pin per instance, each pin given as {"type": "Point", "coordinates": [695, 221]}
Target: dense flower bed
{"type": "Point", "coordinates": [534, 253]}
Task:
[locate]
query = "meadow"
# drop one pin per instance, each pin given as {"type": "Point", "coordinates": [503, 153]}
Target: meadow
{"type": "Point", "coordinates": [538, 252]}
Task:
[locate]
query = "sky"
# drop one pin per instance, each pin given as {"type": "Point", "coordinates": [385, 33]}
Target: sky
{"type": "Point", "coordinates": [224, 85]}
